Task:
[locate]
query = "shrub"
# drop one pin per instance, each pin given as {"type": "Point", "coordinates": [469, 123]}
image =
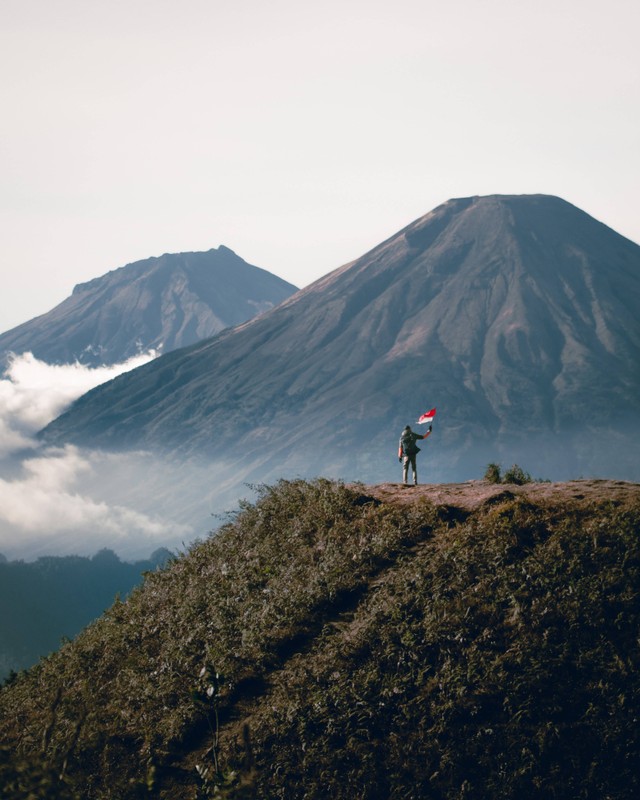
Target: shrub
{"type": "Point", "coordinates": [31, 779]}
{"type": "Point", "coordinates": [516, 475]}
{"type": "Point", "coordinates": [492, 473]}
{"type": "Point", "coordinates": [369, 650]}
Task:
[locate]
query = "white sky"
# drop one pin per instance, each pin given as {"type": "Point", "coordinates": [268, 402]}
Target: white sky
{"type": "Point", "coordinates": [300, 134]}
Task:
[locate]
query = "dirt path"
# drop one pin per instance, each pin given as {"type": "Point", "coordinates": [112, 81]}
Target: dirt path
{"type": "Point", "coordinates": [473, 494]}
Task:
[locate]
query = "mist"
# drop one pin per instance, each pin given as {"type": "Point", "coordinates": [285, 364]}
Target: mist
{"type": "Point", "coordinates": [63, 501]}
{"type": "Point", "coordinates": [33, 393]}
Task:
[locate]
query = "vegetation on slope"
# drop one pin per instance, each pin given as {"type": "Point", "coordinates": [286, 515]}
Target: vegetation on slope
{"type": "Point", "coordinates": [324, 644]}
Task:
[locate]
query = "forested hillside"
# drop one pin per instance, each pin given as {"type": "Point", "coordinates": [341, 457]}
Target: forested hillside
{"type": "Point", "coordinates": [55, 597]}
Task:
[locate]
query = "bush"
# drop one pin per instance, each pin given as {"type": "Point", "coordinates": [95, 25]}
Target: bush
{"type": "Point", "coordinates": [515, 475]}
{"type": "Point", "coordinates": [31, 779]}
{"type": "Point", "coordinates": [369, 650]}
{"type": "Point", "coordinates": [492, 473]}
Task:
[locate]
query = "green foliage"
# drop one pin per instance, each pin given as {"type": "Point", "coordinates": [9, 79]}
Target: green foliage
{"type": "Point", "coordinates": [493, 473]}
{"type": "Point", "coordinates": [24, 778]}
{"type": "Point", "coordinates": [367, 651]}
{"type": "Point", "coordinates": [514, 474]}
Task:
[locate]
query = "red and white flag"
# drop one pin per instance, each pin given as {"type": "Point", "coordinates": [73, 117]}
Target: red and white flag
{"type": "Point", "coordinates": [427, 417]}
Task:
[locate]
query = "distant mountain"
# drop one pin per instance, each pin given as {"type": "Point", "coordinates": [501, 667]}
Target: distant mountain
{"type": "Point", "coordinates": [517, 316]}
{"type": "Point", "coordinates": [162, 303]}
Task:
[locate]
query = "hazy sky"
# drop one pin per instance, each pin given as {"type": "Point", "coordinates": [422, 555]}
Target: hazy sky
{"type": "Point", "coordinates": [299, 134]}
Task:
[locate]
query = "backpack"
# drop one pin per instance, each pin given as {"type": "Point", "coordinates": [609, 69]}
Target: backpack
{"type": "Point", "coordinates": [408, 444]}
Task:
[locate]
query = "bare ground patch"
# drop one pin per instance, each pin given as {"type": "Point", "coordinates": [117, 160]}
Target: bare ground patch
{"type": "Point", "coordinates": [473, 494]}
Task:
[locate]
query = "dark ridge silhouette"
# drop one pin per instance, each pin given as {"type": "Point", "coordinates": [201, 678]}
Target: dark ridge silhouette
{"type": "Point", "coordinates": [55, 597]}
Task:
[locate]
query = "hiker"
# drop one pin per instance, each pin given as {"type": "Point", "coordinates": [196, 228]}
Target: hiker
{"type": "Point", "coordinates": [407, 452]}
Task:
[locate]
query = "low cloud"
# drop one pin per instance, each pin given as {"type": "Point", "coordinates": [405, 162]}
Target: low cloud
{"type": "Point", "coordinates": [59, 501]}
{"type": "Point", "coordinates": [42, 511]}
{"type": "Point", "coordinates": [33, 393]}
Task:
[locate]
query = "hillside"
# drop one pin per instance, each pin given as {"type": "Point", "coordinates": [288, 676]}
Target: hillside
{"type": "Point", "coordinates": [515, 315]}
{"type": "Point", "coordinates": [460, 641]}
{"type": "Point", "coordinates": [160, 303]}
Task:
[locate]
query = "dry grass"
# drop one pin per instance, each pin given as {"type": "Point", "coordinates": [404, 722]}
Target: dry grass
{"type": "Point", "coordinates": [373, 642]}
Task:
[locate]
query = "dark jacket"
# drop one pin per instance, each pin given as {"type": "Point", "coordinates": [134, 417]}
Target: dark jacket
{"type": "Point", "coordinates": [407, 445]}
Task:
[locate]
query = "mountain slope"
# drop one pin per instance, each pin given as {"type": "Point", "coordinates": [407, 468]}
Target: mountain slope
{"type": "Point", "coordinates": [358, 642]}
{"type": "Point", "coordinates": [162, 303]}
{"type": "Point", "coordinates": [516, 316]}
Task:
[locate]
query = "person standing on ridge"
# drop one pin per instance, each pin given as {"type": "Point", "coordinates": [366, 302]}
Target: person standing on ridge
{"type": "Point", "coordinates": [407, 452]}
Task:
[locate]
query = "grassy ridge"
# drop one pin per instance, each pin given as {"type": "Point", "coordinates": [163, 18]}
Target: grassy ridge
{"type": "Point", "coordinates": [324, 644]}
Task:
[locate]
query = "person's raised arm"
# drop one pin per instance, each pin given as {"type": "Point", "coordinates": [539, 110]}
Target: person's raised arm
{"type": "Point", "coordinates": [428, 433]}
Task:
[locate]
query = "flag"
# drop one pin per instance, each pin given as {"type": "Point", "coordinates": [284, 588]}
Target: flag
{"type": "Point", "coordinates": [427, 417]}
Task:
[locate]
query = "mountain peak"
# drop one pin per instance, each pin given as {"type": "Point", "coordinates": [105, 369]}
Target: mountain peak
{"type": "Point", "coordinates": [161, 303]}
{"type": "Point", "coordinates": [516, 315]}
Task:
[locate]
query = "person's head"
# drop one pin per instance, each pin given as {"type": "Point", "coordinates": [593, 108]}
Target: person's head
{"type": "Point", "coordinates": [407, 428]}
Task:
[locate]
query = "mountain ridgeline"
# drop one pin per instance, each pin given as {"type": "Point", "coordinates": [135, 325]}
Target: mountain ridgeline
{"type": "Point", "coordinates": [517, 316]}
{"type": "Point", "coordinates": [160, 303]}
{"type": "Point", "coordinates": [436, 643]}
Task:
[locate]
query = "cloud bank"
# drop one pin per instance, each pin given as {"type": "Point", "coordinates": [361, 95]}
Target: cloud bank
{"type": "Point", "coordinates": [33, 393]}
{"type": "Point", "coordinates": [58, 501]}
